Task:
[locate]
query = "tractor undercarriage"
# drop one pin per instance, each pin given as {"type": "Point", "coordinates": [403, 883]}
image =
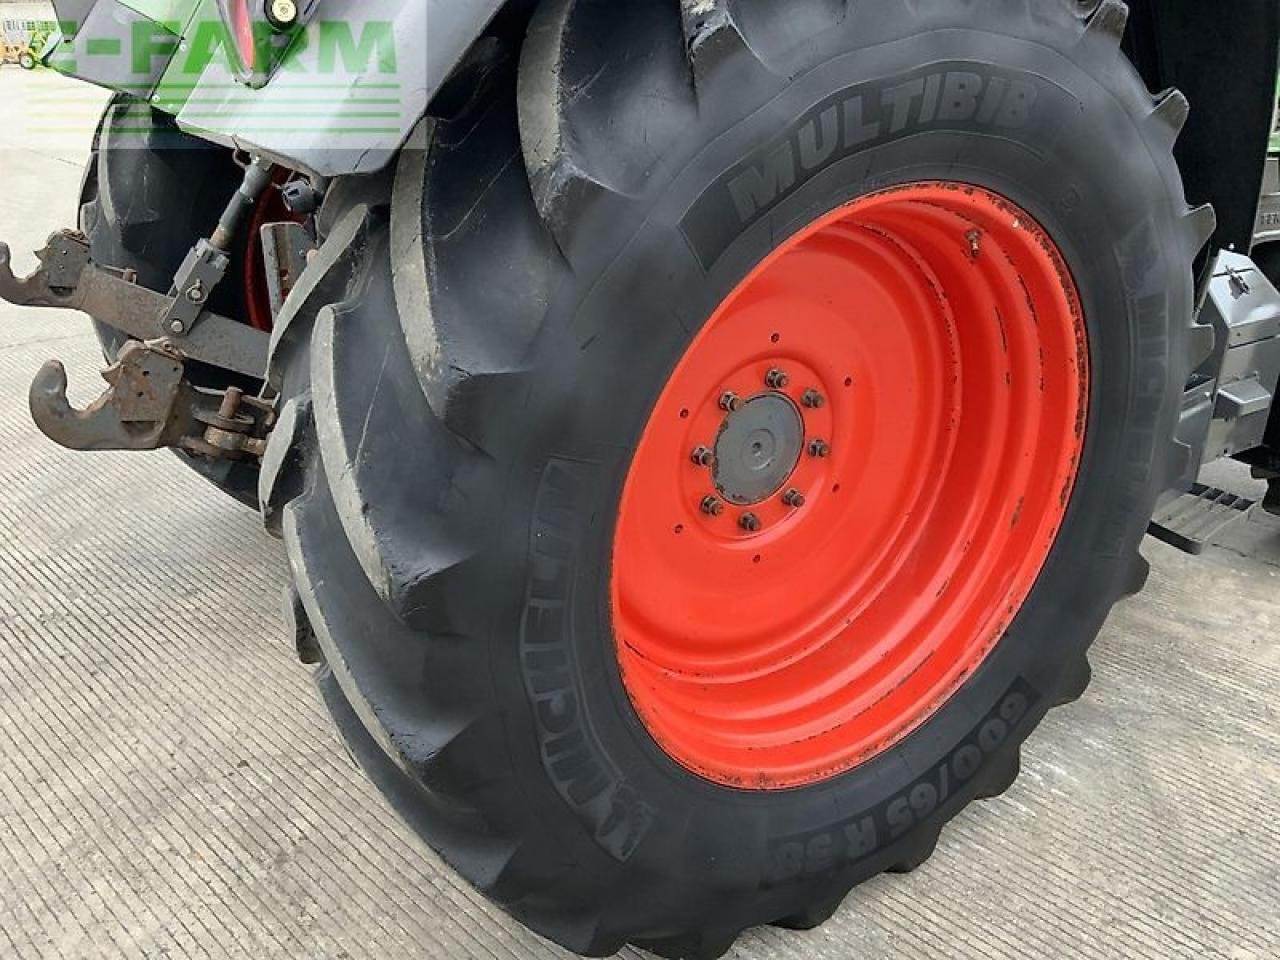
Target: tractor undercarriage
{"type": "Point", "coordinates": [150, 403]}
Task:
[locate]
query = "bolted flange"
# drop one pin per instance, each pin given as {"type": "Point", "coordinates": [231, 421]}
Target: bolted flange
{"type": "Point", "coordinates": [711, 506]}
{"type": "Point", "coordinates": [776, 379]}
{"type": "Point", "coordinates": [749, 522]}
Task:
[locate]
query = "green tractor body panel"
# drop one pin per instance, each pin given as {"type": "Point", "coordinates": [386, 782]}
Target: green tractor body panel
{"type": "Point", "coordinates": [338, 91]}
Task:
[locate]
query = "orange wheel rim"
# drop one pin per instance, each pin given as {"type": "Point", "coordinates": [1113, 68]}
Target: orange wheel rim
{"type": "Point", "coordinates": [849, 485]}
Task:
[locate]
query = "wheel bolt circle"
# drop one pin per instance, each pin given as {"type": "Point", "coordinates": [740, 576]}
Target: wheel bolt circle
{"type": "Point", "coordinates": [711, 506]}
{"type": "Point", "coordinates": [749, 522]}
{"type": "Point", "coordinates": [793, 498]}
{"type": "Point", "coordinates": [730, 401]}
{"type": "Point", "coordinates": [776, 379]}
{"type": "Point", "coordinates": [702, 456]}
{"type": "Point", "coordinates": [813, 399]}
{"type": "Point", "coordinates": [818, 448]}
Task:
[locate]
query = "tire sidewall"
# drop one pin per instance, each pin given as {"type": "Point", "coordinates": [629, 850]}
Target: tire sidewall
{"type": "Point", "coordinates": [1085, 167]}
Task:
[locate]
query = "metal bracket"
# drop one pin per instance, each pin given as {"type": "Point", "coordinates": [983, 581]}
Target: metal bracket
{"type": "Point", "coordinates": [285, 248]}
{"type": "Point", "coordinates": [149, 405]}
{"type": "Point", "coordinates": [68, 278]}
{"type": "Point", "coordinates": [199, 274]}
{"type": "Point", "coordinates": [207, 262]}
{"type": "Point", "coordinates": [1227, 402]}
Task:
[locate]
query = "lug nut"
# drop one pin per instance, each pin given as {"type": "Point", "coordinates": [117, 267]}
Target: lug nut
{"type": "Point", "coordinates": [702, 456]}
{"type": "Point", "coordinates": [730, 401]}
{"type": "Point", "coordinates": [776, 379]}
{"type": "Point", "coordinates": [813, 399]}
{"type": "Point", "coordinates": [793, 498]}
{"type": "Point", "coordinates": [818, 448]}
{"type": "Point", "coordinates": [712, 506]}
{"type": "Point", "coordinates": [749, 522]}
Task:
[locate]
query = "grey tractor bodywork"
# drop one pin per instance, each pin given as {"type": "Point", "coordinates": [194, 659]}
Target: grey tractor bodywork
{"type": "Point", "coordinates": [208, 98]}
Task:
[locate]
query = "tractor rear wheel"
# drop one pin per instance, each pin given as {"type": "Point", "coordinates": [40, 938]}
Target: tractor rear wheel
{"type": "Point", "coordinates": [736, 427]}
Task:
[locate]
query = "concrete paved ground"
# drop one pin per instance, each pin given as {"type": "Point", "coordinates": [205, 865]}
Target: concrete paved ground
{"type": "Point", "coordinates": [170, 785]}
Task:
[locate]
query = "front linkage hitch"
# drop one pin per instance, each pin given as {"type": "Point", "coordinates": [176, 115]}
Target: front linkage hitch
{"type": "Point", "coordinates": [149, 402]}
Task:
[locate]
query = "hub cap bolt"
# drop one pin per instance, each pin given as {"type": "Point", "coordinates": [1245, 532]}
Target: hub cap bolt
{"type": "Point", "coordinates": [702, 456]}
{"type": "Point", "coordinates": [812, 399]}
{"type": "Point", "coordinates": [730, 401]}
{"type": "Point", "coordinates": [776, 379]}
{"type": "Point", "coordinates": [712, 507]}
{"type": "Point", "coordinates": [749, 522]}
{"type": "Point", "coordinates": [818, 448]}
{"type": "Point", "coordinates": [793, 498]}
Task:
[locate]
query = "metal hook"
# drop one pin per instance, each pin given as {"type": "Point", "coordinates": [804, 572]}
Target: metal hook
{"type": "Point", "coordinates": [134, 413]}
{"type": "Point", "coordinates": [53, 284]}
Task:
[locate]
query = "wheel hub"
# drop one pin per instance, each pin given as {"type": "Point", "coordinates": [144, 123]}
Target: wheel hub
{"type": "Point", "coordinates": [758, 448]}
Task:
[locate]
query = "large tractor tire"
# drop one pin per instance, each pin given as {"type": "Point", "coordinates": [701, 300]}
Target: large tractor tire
{"type": "Point", "coordinates": [149, 193]}
{"type": "Point", "coordinates": [725, 440]}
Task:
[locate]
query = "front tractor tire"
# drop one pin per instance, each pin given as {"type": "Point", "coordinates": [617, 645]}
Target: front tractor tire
{"type": "Point", "coordinates": [725, 439]}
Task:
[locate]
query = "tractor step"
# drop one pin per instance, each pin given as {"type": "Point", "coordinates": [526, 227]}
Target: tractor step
{"type": "Point", "coordinates": [1192, 521]}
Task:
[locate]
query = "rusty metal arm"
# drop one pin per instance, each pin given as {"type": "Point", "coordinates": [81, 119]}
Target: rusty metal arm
{"type": "Point", "coordinates": [149, 403]}
{"type": "Point", "coordinates": [68, 278]}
